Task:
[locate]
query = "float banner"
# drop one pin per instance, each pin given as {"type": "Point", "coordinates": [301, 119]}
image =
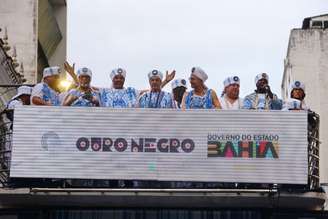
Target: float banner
{"type": "Point", "coordinates": [160, 144]}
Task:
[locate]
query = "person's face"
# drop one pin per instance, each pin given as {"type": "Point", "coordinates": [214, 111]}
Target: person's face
{"type": "Point", "coordinates": [195, 82]}
{"type": "Point", "coordinates": [84, 81]}
{"type": "Point", "coordinates": [178, 93]}
{"type": "Point", "coordinates": [52, 81]}
{"type": "Point", "coordinates": [232, 91]}
{"type": "Point", "coordinates": [25, 99]}
{"type": "Point", "coordinates": [297, 94]}
{"type": "Point", "coordinates": [261, 84]}
{"type": "Point", "coordinates": [155, 83]}
{"type": "Point", "coordinates": [118, 81]}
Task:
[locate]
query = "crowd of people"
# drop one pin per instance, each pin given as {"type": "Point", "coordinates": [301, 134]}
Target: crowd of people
{"type": "Point", "coordinates": [119, 96]}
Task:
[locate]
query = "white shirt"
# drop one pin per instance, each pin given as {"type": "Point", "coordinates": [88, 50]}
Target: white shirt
{"type": "Point", "coordinates": [13, 103]}
{"type": "Point", "coordinates": [47, 94]}
{"type": "Point", "coordinates": [294, 104]}
{"type": "Point", "coordinates": [226, 105]}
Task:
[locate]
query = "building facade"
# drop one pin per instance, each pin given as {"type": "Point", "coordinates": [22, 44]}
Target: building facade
{"type": "Point", "coordinates": [37, 29]}
{"type": "Point", "coordinates": [9, 74]}
{"type": "Point", "coordinates": [307, 61]}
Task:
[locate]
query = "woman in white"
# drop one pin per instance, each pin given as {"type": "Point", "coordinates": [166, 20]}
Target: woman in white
{"type": "Point", "coordinates": [200, 97]}
{"type": "Point", "coordinates": [230, 99]}
{"type": "Point", "coordinates": [296, 100]}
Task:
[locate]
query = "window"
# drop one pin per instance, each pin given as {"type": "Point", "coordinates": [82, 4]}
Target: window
{"type": "Point", "coordinates": [317, 24]}
{"type": "Point", "coordinates": [325, 24]}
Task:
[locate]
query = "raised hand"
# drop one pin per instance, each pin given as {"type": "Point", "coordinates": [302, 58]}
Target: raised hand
{"type": "Point", "coordinates": [168, 77]}
{"type": "Point", "coordinates": [71, 71]}
{"type": "Point", "coordinates": [268, 91]}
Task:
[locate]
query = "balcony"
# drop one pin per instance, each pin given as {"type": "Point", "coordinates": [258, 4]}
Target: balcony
{"type": "Point", "coordinates": [69, 153]}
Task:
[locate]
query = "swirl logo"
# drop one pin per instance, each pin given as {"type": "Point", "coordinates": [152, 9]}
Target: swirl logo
{"type": "Point", "coordinates": [50, 140]}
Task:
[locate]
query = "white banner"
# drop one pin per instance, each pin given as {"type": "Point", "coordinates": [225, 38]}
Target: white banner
{"type": "Point", "coordinates": [152, 144]}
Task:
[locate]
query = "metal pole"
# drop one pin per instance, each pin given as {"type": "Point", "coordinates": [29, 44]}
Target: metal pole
{"type": "Point", "coordinates": [15, 85]}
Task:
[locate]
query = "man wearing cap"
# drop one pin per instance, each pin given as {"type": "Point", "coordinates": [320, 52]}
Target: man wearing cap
{"type": "Point", "coordinates": [118, 96]}
{"type": "Point", "coordinates": [83, 95]}
{"type": "Point", "coordinates": [21, 98]}
{"type": "Point", "coordinates": [262, 98]}
{"type": "Point", "coordinates": [200, 97]}
{"type": "Point", "coordinates": [297, 95]}
{"type": "Point", "coordinates": [179, 87]}
{"type": "Point", "coordinates": [155, 98]}
{"type": "Point", "coordinates": [230, 97]}
{"type": "Point", "coordinates": [44, 93]}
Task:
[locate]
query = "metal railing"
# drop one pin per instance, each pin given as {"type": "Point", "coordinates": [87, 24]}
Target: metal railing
{"type": "Point", "coordinates": [5, 145]}
{"type": "Point", "coordinates": [313, 150]}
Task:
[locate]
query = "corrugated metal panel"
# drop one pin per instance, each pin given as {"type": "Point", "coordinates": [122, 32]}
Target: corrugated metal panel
{"type": "Point", "coordinates": [45, 140]}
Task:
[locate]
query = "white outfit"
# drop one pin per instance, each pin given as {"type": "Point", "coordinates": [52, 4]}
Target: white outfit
{"type": "Point", "coordinates": [47, 94]}
{"type": "Point", "coordinates": [13, 103]}
{"type": "Point", "coordinates": [294, 104]}
{"type": "Point", "coordinates": [226, 105]}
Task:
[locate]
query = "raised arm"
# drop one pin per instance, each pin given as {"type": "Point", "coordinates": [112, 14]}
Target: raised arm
{"type": "Point", "coordinates": [168, 78]}
{"type": "Point", "coordinates": [183, 102]}
{"type": "Point", "coordinates": [69, 99]}
{"type": "Point", "coordinates": [38, 101]}
{"type": "Point", "coordinates": [70, 70]}
{"type": "Point", "coordinates": [215, 100]}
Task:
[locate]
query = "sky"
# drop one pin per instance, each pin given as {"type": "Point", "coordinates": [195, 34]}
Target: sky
{"type": "Point", "coordinates": [224, 38]}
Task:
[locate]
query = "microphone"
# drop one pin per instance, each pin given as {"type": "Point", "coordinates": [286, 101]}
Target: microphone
{"type": "Point", "coordinates": [268, 91]}
{"type": "Point", "coordinates": [267, 88]}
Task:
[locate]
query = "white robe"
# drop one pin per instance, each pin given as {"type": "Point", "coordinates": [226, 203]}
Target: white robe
{"type": "Point", "coordinates": [226, 105]}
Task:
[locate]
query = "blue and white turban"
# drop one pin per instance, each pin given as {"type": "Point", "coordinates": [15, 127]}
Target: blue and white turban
{"type": "Point", "coordinates": [298, 85]}
{"type": "Point", "coordinates": [179, 83]}
{"type": "Point", "coordinates": [155, 73]}
{"type": "Point", "coordinates": [84, 72]}
{"type": "Point", "coordinates": [199, 73]}
{"type": "Point", "coordinates": [117, 71]}
{"type": "Point", "coordinates": [50, 71]}
{"type": "Point", "coordinates": [231, 80]}
{"type": "Point", "coordinates": [262, 76]}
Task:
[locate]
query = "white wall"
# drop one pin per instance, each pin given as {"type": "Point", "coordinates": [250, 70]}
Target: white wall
{"type": "Point", "coordinates": [19, 16]}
